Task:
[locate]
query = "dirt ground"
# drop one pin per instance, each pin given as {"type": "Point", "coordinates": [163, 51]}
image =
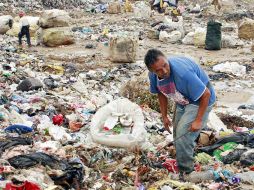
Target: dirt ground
{"type": "Point", "coordinates": [99, 56]}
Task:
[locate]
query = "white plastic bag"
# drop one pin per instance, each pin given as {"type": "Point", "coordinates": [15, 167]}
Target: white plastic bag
{"type": "Point", "coordinates": [196, 38]}
{"type": "Point", "coordinates": [4, 23]}
{"type": "Point", "coordinates": [57, 132]}
{"type": "Point", "coordinates": [179, 26]}
{"type": "Point", "coordinates": [172, 37]}
{"type": "Point", "coordinates": [215, 123]}
{"type": "Point", "coordinates": [231, 68]}
{"type": "Point", "coordinates": [199, 37]}
{"type": "Point", "coordinates": [230, 41]}
{"type": "Point", "coordinates": [124, 106]}
{"type": "Point", "coordinates": [189, 39]}
{"type": "Point", "coordinates": [142, 9]}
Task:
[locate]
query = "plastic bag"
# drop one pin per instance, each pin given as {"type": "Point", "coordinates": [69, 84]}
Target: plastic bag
{"type": "Point", "coordinates": [25, 185]}
{"type": "Point", "coordinates": [20, 129]}
{"type": "Point", "coordinates": [231, 68]}
{"type": "Point", "coordinates": [213, 36]}
{"type": "Point", "coordinates": [172, 37]}
{"type": "Point", "coordinates": [124, 106]}
{"type": "Point", "coordinates": [29, 160]}
{"type": "Point", "coordinates": [179, 26]}
{"type": "Point", "coordinates": [226, 147]}
{"type": "Point", "coordinates": [242, 138]}
{"type": "Point", "coordinates": [189, 39]}
{"type": "Point", "coordinates": [171, 166]}
{"type": "Point", "coordinates": [199, 37]}
{"type": "Point", "coordinates": [142, 9]}
{"type": "Point", "coordinates": [13, 141]}
{"type": "Point", "coordinates": [233, 156]}
{"type": "Point", "coordinates": [247, 158]}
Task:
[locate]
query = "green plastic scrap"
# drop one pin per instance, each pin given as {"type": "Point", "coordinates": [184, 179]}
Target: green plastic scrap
{"type": "Point", "coordinates": [203, 158]}
{"type": "Point", "coordinates": [7, 75]}
{"type": "Point", "coordinates": [46, 131]}
{"type": "Point", "coordinates": [117, 129]}
{"type": "Point", "coordinates": [223, 148]}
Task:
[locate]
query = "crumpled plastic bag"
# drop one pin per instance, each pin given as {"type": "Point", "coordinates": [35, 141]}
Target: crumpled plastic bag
{"type": "Point", "coordinates": [247, 158]}
{"type": "Point", "coordinates": [233, 156]}
{"type": "Point", "coordinates": [35, 175]}
{"type": "Point", "coordinates": [224, 149]}
{"type": "Point", "coordinates": [203, 158]}
{"type": "Point", "coordinates": [171, 165]}
{"type": "Point", "coordinates": [25, 185]}
{"type": "Point", "coordinates": [71, 169]}
{"type": "Point", "coordinates": [57, 132]}
{"type": "Point", "coordinates": [142, 9]}
{"type": "Point", "coordinates": [13, 141]}
{"type": "Point", "coordinates": [20, 129]}
{"type": "Point", "coordinates": [29, 160]}
{"type": "Point", "coordinates": [242, 138]}
{"type": "Point", "coordinates": [231, 68]}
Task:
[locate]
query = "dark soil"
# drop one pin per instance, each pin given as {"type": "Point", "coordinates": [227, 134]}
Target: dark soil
{"type": "Point", "coordinates": [234, 121]}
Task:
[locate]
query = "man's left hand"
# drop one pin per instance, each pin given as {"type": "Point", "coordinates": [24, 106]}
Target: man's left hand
{"type": "Point", "coordinates": [196, 126]}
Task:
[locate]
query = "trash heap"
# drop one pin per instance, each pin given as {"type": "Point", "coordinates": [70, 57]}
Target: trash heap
{"type": "Point", "coordinates": [30, 5]}
{"type": "Point", "coordinates": [64, 121]}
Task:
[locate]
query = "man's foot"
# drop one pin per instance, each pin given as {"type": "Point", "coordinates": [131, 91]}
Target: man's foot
{"type": "Point", "coordinates": [178, 177]}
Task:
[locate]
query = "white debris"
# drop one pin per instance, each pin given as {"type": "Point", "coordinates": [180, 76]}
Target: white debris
{"type": "Point", "coordinates": [215, 123]}
{"type": "Point", "coordinates": [142, 9]}
{"type": "Point", "coordinates": [170, 37]}
{"type": "Point", "coordinates": [4, 23]}
{"type": "Point", "coordinates": [231, 68]}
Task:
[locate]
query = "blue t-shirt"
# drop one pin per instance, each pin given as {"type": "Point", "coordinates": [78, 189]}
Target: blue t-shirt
{"type": "Point", "coordinates": [185, 85]}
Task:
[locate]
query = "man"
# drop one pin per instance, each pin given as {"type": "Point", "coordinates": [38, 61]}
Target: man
{"type": "Point", "coordinates": [24, 25]}
{"type": "Point", "coordinates": [182, 80]}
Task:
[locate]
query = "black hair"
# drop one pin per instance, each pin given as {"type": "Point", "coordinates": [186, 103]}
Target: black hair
{"type": "Point", "coordinates": [152, 56]}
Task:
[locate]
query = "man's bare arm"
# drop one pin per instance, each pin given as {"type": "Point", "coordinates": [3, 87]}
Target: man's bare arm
{"type": "Point", "coordinates": [203, 104]}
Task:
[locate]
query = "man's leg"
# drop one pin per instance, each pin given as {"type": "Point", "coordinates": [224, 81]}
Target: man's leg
{"type": "Point", "coordinates": [185, 145]}
{"type": "Point", "coordinates": [178, 114]}
{"type": "Point", "coordinates": [20, 37]}
{"type": "Point", "coordinates": [28, 36]}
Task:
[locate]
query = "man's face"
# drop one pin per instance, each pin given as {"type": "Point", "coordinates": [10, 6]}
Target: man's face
{"type": "Point", "coordinates": [161, 67]}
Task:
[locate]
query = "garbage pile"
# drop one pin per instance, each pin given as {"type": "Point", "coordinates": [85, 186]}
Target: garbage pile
{"type": "Point", "coordinates": [30, 5]}
{"type": "Point", "coordinates": [66, 125]}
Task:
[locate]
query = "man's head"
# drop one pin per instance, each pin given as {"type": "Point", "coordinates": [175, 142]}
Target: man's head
{"type": "Point", "coordinates": [21, 14]}
{"type": "Point", "coordinates": [157, 63]}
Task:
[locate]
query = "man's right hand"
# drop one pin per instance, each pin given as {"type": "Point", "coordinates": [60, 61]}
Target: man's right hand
{"type": "Point", "coordinates": [167, 123]}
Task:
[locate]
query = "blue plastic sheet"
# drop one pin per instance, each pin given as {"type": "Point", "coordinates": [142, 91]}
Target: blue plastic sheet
{"type": "Point", "coordinates": [20, 129]}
